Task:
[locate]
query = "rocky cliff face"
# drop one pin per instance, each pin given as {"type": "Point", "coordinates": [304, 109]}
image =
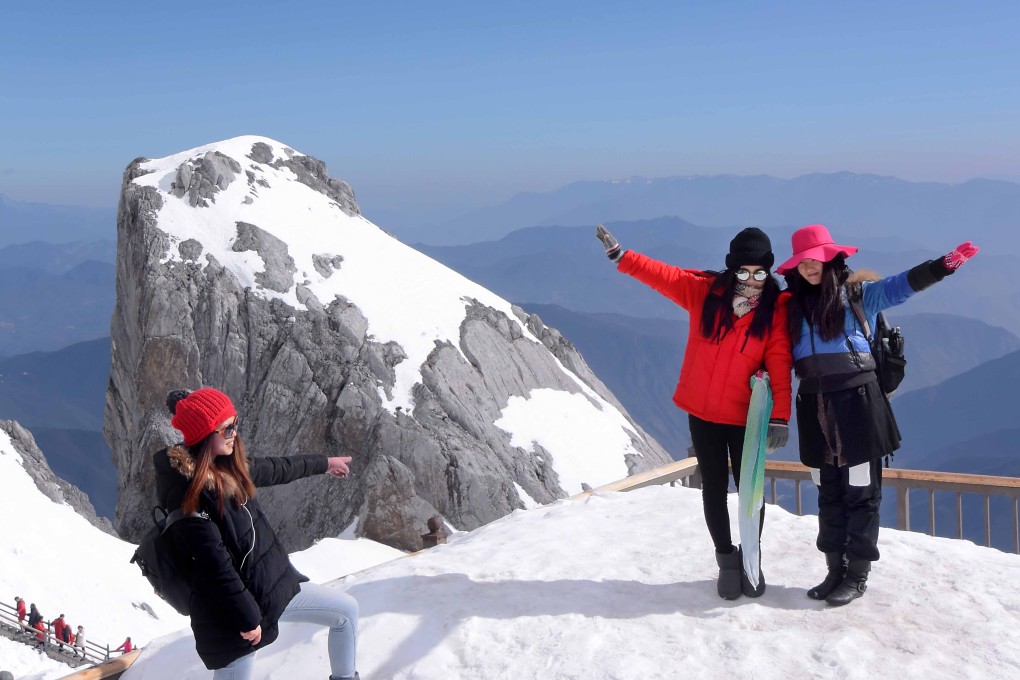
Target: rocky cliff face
{"type": "Point", "coordinates": [53, 487]}
{"type": "Point", "coordinates": [244, 266]}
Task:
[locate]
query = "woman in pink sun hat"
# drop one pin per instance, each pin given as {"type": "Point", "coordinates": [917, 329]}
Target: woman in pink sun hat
{"type": "Point", "coordinates": [813, 242]}
{"type": "Point", "coordinates": [844, 420]}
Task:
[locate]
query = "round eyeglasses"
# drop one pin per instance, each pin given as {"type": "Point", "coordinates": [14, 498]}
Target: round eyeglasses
{"type": "Point", "coordinates": [759, 275]}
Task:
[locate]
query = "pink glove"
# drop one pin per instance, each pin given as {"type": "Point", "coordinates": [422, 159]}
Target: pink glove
{"type": "Point", "coordinates": [961, 254]}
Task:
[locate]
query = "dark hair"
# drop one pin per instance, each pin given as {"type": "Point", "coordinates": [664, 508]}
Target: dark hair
{"type": "Point", "coordinates": [717, 312]}
{"type": "Point", "coordinates": [209, 465]}
{"type": "Point", "coordinates": [822, 305]}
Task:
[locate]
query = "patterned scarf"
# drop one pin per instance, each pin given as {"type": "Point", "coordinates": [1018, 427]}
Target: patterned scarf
{"type": "Point", "coordinates": [745, 298]}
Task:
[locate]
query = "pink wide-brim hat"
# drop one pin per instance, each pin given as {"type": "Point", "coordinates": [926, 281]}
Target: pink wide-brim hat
{"type": "Point", "coordinates": [814, 242]}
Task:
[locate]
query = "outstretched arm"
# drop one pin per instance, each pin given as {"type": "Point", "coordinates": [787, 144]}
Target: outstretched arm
{"type": "Point", "coordinates": [684, 287]}
{"type": "Point", "coordinates": [273, 470]}
{"type": "Point", "coordinates": [931, 272]}
{"type": "Point", "coordinates": [338, 466]}
{"type": "Point", "coordinates": [895, 290]}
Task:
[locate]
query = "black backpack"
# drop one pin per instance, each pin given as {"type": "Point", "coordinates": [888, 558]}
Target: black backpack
{"type": "Point", "coordinates": [887, 343]}
{"type": "Point", "coordinates": [155, 557]}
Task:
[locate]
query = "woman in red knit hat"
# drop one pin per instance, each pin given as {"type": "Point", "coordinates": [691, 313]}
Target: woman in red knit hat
{"type": "Point", "coordinates": [737, 327]}
{"type": "Point", "coordinates": [243, 579]}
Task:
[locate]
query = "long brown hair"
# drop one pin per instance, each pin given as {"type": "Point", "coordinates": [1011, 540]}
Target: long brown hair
{"type": "Point", "coordinates": [822, 305]}
{"type": "Point", "coordinates": [210, 466]}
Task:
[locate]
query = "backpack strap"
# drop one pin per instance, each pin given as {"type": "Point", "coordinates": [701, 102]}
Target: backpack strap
{"type": "Point", "coordinates": [855, 296]}
{"type": "Point", "coordinates": [173, 516]}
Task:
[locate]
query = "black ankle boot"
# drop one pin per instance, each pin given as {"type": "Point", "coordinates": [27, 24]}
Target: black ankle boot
{"type": "Point", "coordinates": [853, 586]}
{"type": "Point", "coordinates": [729, 573]}
{"type": "Point", "coordinates": [837, 571]}
{"type": "Point", "coordinates": [745, 584]}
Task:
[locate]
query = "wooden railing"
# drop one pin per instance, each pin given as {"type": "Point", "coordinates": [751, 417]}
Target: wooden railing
{"type": "Point", "coordinates": [904, 481]}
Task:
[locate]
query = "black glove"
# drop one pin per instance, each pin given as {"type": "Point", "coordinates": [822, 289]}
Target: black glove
{"type": "Point", "coordinates": [613, 249]}
{"type": "Point", "coordinates": [778, 435]}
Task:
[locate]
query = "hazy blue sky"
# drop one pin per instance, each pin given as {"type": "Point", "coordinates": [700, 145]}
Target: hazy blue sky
{"type": "Point", "coordinates": [442, 106]}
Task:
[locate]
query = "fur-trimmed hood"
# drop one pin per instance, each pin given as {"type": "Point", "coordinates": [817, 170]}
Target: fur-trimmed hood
{"type": "Point", "coordinates": [863, 275]}
{"type": "Point", "coordinates": [183, 462]}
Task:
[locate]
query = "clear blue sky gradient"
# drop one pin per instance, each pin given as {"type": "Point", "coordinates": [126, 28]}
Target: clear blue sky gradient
{"type": "Point", "coordinates": [433, 108]}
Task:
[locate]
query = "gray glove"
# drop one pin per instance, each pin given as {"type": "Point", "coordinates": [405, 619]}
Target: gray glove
{"type": "Point", "coordinates": [778, 435]}
{"type": "Point", "coordinates": [612, 246]}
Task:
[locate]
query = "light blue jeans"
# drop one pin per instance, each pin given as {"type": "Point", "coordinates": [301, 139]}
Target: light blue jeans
{"type": "Point", "coordinates": [314, 604]}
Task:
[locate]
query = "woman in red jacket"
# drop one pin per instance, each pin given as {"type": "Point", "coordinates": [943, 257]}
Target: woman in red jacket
{"type": "Point", "coordinates": [738, 326]}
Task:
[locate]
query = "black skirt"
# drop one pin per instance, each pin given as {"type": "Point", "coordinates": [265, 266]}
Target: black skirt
{"type": "Point", "coordinates": [847, 427]}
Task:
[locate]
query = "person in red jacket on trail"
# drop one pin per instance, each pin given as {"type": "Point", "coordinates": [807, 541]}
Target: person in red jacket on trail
{"type": "Point", "coordinates": [58, 630]}
{"type": "Point", "coordinates": [40, 636]}
{"type": "Point", "coordinates": [22, 611]}
{"type": "Point", "coordinates": [125, 647]}
{"type": "Point", "coordinates": [738, 326]}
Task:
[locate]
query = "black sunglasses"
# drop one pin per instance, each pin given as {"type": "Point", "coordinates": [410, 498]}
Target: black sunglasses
{"type": "Point", "coordinates": [759, 275]}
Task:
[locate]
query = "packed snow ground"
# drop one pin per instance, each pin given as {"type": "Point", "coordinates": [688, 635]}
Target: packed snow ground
{"type": "Point", "coordinates": [622, 585]}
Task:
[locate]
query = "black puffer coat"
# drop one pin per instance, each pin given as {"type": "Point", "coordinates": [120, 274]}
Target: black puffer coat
{"type": "Point", "coordinates": [242, 575]}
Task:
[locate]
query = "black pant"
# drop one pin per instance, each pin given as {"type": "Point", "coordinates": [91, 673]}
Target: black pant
{"type": "Point", "coordinates": [848, 515]}
{"type": "Point", "coordinates": [717, 446]}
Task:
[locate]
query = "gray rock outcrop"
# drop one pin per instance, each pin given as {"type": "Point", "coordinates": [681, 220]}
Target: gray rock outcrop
{"type": "Point", "coordinates": [53, 487]}
{"type": "Point", "coordinates": [314, 380]}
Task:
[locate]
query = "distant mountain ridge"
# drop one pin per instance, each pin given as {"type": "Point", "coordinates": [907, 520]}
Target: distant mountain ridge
{"type": "Point", "coordinates": [974, 403]}
{"type": "Point", "coordinates": [567, 266]}
{"type": "Point", "coordinates": [44, 310]}
{"type": "Point", "coordinates": [873, 205]}
{"type": "Point", "coordinates": [57, 258]}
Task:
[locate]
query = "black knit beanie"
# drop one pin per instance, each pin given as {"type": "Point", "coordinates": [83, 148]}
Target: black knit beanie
{"type": "Point", "coordinates": [750, 246]}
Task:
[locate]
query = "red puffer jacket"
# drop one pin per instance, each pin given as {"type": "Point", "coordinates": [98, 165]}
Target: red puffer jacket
{"type": "Point", "coordinates": [715, 379]}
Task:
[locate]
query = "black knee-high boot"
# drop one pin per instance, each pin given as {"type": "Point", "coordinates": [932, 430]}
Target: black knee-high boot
{"type": "Point", "coordinates": [836, 562]}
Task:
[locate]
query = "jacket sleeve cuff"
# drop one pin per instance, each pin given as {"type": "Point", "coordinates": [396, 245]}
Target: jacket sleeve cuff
{"type": "Point", "coordinates": [927, 274]}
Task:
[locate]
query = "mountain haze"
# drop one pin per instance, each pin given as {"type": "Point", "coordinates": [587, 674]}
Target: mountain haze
{"type": "Point", "coordinates": [44, 310]}
{"type": "Point", "coordinates": [567, 266]}
{"type": "Point", "coordinates": [21, 222]}
{"type": "Point", "coordinates": [850, 203]}
{"type": "Point", "coordinates": [974, 403]}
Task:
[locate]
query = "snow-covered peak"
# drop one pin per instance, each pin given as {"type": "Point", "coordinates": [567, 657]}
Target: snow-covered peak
{"type": "Point", "coordinates": [274, 219]}
{"type": "Point", "coordinates": [407, 297]}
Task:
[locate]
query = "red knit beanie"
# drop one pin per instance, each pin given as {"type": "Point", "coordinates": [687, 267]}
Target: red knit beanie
{"type": "Point", "coordinates": [201, 412]}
